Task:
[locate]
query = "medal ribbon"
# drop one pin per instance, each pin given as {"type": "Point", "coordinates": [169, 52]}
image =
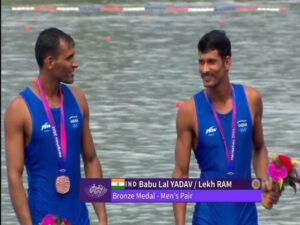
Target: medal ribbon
{"type": "Point", "coordinates": [229, 156]}
{"type": "Point", "coordinates": [60, 145]}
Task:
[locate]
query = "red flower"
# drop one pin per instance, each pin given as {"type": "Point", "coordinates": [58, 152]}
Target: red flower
{"type": "Point", "coordinates": [65, 222]}
{"type": "Point", "coordinates": [286, 162]}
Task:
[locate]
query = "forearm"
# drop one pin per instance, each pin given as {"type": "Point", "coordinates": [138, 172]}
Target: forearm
{"type": "Point", "coordinates": [100, 210]}
{"type": "Point", "coordinates": [19, 202]}
{"type": "Point", "coordinates": [179, 210]}
{"type": "Point", "coordinates": [93, 168]}
{"type": "Point", "coordinates": [260, 162]}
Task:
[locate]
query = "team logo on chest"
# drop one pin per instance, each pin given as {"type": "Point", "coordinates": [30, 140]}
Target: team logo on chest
{"type": "Point", "coordinates": [242, 125]}
{"type": "Point", "coordinates": [45, 127]}
{"type": "Point", "coordinates": [211, 131]}
{"type": "Point", "coordinates": [74, 121]}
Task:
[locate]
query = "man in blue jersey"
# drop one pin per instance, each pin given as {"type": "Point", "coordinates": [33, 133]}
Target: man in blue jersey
{"type": "Point", "coordinates": [47, 129]}
{"type": "Point", "coordinates": [223, 148]}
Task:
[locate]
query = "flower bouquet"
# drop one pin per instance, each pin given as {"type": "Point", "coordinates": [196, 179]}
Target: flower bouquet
{"type": "Point", "coordinates": [50, 219]}
{"type": "Point", "coordinates": [283, 172]}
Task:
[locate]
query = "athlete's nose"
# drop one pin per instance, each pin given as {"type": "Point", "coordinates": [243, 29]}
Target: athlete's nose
{"type": "Point", "coordinates": [205, 68]}
{"type": "Point", "coordinates": [75, 63]}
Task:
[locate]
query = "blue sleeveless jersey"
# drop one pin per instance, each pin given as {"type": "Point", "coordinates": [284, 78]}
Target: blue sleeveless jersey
{"type": "Point", "coordinates": [211, 158]}
{"type": "Point", "coordinates": [42, 164]}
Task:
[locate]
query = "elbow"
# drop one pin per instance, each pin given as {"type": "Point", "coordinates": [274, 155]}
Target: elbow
{"type": "Point", "coordinates": [90, 159]}
{"type": "Point", "coordinates": [14, 180]}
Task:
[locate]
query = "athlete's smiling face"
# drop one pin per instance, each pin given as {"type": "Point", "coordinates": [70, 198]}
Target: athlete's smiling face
{"type": "Point", "coordinates": [65, 63]}
{"type": "Point", "coordinates": [213, 68]}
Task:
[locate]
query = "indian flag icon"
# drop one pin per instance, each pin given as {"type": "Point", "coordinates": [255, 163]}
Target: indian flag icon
{"type": "Point", "coordinates": [118, 183]}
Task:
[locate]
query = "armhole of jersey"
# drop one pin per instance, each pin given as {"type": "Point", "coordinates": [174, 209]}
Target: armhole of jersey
{"type": "Point", "coordinates": [65, 87]}
{"type": "Point", "coordinates": [23, 95]}
{"type": "Point", "coordinates": [243, 92]}
{"type": "Point", "coordinates": [196, 98]}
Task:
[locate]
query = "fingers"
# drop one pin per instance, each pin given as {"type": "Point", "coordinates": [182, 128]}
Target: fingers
{"type": "Point", "coordinates": [271, 193]}
{"type": "Point", "coordinates": [266, 186]}
{"type": "Point", "coordinates": [274, 196]}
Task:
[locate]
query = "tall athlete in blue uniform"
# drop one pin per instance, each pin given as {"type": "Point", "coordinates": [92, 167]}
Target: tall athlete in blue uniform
{"type": "Point", "coordinates": [47, 128]}
{"type": "Point", "coordinates": [205, 123]}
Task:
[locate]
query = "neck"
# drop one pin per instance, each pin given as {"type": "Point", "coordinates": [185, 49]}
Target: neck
{"type": "Point", "coordinates": [50, 86]}
{"type": "Point", "coordinates": [220, 93]}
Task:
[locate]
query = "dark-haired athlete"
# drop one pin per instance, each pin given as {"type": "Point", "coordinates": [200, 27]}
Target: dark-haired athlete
{"type": "Point", "coordinates": [222, 124]}
{"type": "Point", "coordinates": [47, 128]}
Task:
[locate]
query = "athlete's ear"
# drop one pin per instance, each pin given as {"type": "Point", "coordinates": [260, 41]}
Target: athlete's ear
{"type": "Point", "coordinates": [49, 61]}
{"type": "Point", "coordinates": [227, 62]}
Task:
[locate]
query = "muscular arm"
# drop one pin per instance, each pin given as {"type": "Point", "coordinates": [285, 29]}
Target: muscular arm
{"type": "Point", "coordinates": [92, 165]}
{"type": "Point", "coordinates": [14, 149]}
{"type": "Point", "coordinates": [260, 154]}
{"type": "Point", "coordinates": [182, 154]}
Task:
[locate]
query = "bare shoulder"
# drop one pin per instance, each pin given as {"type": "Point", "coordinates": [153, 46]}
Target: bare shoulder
{"type": "Point", "coordinates": [186, 112]}
{"type": "Point", "coordinates": [187, 107]}
{"type": "Point", "coordinates": [253, 95]}
{"type": "Point", "coordinates": [80, 97]}
{"type": "Point", "coordinates": [254, 102]}
{"type": "Point", "coordinates": [16, 111]}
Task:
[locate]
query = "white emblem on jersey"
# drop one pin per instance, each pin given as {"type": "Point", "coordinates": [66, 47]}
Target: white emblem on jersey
{"type": "Point", "coordinates": [211, 131]}
{"type": "Point", "coordinates": [74, 121]}
{"type": "Point", "coordinates": [45, 127]}
{"type": "Point", "coordinates": [242, 125]}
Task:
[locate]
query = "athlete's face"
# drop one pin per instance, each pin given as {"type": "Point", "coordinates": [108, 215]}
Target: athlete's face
{"type": "Point", "coordinates": [65, 63]}
{"type": "Point", "coordinates": [213, 68]}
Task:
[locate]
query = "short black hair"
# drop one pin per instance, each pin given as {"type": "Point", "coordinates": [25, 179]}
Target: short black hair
{"type": "Point", "coordinates": [48, 43]}
{"type": "Point", "coordinates": [215, 40]}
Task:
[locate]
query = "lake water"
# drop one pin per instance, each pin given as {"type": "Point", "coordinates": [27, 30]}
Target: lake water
{"type": "Point", "coordinates": [133, 80]}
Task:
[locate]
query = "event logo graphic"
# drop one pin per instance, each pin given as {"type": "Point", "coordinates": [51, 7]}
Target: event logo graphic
{"type": "Point", "coordinates": [96, 191]}
{"type": "Point", "coordinates": [255, 183]}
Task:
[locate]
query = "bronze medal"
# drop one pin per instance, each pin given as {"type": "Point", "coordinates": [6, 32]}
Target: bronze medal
{"type": "Point", "coordinates": [62, 184]}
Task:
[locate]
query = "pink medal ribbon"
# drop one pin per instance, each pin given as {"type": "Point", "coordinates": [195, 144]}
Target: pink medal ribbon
{"type": "Point", "coordinates": [229, 156]}
{"type": "Point", "coordinates": [62, 182]}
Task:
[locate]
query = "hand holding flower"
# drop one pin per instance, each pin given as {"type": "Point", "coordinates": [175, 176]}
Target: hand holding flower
{"type": "Point", "coordinates": [270, 194]}
{"type": "Point", "coordinates": [283, 172]}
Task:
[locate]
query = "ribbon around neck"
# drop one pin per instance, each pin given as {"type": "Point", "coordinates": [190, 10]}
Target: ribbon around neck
{"type": "Point", "coordinates": [229, 155]}
{"type": "Point", "coordinates": [60, 145]}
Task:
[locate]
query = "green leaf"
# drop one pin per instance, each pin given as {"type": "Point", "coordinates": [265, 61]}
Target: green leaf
{"type": "Point", "coordinates": [57, 220]}
{"type": "Point", "coordinates": [292, 174]}
{"type": "Point", "coordinates": [293, 186]}
{"type": "Point", "coordinates": [278, 162]}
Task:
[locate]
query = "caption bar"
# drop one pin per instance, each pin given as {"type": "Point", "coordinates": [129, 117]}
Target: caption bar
{"type": "Point", "coordinates": [169, 190]}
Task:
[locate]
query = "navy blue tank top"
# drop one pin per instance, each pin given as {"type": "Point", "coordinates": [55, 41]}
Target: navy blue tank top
{"type": "Point", "coordinates": [42, 165]}
{"type": "Point", "coordinates": [211, 158]}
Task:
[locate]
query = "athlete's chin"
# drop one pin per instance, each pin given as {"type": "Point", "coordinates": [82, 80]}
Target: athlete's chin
{"type": "Point", "coordinates": [208, 84]}
{"type": "Point", "coordinates": [69, 80]}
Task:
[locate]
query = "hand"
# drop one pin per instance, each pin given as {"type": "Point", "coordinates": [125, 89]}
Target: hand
{"type": "Point", "coordinates": [271, 193]}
